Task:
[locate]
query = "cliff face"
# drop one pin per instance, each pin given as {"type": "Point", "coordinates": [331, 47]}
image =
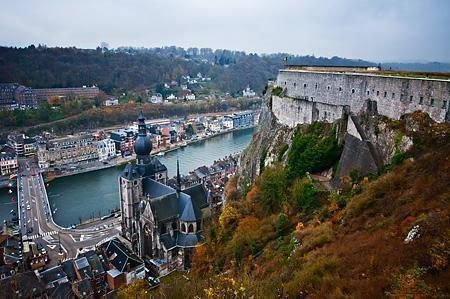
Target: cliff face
{"type": "Point", "coordinates": [370, 142]}
{"type": "Point", "coordinates": [267, 143]}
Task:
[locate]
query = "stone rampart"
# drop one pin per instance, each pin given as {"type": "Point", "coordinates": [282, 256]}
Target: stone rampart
{"type": "Point", "coordinates": [315, 95]}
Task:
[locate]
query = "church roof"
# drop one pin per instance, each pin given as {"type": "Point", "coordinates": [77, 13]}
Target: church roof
{"type": "Point", "coordinates": [188, 240]}
{"type": "Point", "coordinates": [199, 195]}
{"type": "Point", "coordinates": [134, 171]}
{"type": "Point", "coordinates": [166, 204]}
{"type": "Point", "coordinates": [156, 189]}
{"type": "Point", "coordinates": [181, 240]}
{"type": "Point", "coordinates": [187, 209]}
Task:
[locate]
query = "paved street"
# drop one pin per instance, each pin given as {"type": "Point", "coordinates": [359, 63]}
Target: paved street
{"type": "Point", "coordinates": [37, 223]}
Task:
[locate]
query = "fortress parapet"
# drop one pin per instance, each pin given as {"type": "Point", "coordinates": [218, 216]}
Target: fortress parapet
{"type": "Point", "coordinates": [312, 93]}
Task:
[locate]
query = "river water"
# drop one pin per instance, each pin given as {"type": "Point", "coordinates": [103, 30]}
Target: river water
{"type": "Point", "coordinates": [95, 194]}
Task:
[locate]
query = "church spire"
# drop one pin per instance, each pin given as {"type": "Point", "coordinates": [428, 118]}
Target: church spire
{"type": "Point", "coordinates": [178, 176]}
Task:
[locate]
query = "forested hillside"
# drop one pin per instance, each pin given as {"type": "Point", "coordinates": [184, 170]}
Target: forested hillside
{"type": "Point", "coordinates": [119, 70]}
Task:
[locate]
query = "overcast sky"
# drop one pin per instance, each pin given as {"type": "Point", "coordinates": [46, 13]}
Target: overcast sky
{"type": "Point", "coordinates": [377, 30]}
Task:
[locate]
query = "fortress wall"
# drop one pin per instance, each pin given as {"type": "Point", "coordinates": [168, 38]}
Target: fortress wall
{"type": "Point", "coordinates": [290, 111]}
{"type": "Point", "coordinates": [392, 94]}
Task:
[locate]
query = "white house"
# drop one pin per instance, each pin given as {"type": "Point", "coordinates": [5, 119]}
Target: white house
{"type": "Point", "coordinates": [157, 98]}
{"type": "Point", "coordinates": [190, 97]}
{"type": "Point", "coordinates": [248, 92]}
{"type": "Point", "coordinates": [106, 149]}
{"type": "Point", "coordinates": [111, 102]}
{"type": "Point", "coordinates": [171, 97]}
{"type": "Point", "coordinates": [228, 122]}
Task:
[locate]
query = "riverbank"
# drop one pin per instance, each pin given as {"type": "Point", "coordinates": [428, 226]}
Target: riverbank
{"type": "Point", "coordinates": [95, 194]}
{"type": "Point", "coordinates": [118, 161]}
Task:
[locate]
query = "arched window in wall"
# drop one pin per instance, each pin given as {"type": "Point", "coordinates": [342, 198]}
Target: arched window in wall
{"type": "Point", "coordinates": [183, 227]}
{"type": "Point", "coordinates": [191, 228]}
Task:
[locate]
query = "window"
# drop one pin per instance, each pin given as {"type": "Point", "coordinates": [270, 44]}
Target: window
{"type": "Point", "coordinates": [353, 90]}
{"type": "Point", "coordinates": [432, 102]}
{"type": "Point", "coordinates": [328, 87]}
{"type": "Point", "coordinates": [304, 85]}
{"type": "Point", "coordinates": [183, 227]}
{"type": "Point", "coordinates": [444, 104]}
{"type": "Point", "coordinates": [410, 99]}
{"type": "Point", "coordinates": [315, 86]}
{"type": "Point", "coordinates": [378, 92]}
{"type": "Point", "coordinates": [421, 101]}
{"type": "Point", "coordinates": [368, 92]}
{"type": "Point", "coordinates": [191, 228]}
{"type": "Point", "coordinates": [401, 97]}
{"type": "Point", "coordinates": [295, 84]}
{"type": "Point", "coordinates": [284, 82]}
{"type": "Point", "coordinates": [385, 94]}
{"type": "Point", "coordinates": [393, 95]}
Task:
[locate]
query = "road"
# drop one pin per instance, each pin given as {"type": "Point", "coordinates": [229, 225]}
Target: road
{"type": "Point", "coordinates": [37, 223]}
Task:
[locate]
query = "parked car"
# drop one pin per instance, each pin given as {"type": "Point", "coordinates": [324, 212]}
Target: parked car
{"type": "Point", "coordinates": [153, 282]}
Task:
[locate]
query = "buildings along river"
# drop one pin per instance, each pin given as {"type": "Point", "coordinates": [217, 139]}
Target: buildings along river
{"type": "Point", "coordinates": [95, 194]}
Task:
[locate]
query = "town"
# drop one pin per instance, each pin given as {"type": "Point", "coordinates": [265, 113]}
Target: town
{"type": "Point", "coordinates": [41, 258]}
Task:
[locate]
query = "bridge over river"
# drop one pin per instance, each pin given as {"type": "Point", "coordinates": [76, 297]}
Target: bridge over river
{"type": "Point", "coordinates": [37, 224]}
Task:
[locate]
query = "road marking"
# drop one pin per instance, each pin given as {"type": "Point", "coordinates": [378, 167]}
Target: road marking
{"type": "Point", "coordinates": [43, 235]}
{"type": "Point", "coordinates": [51, 246]}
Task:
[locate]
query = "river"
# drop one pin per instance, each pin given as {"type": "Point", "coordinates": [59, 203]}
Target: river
{"type": "Point", "coordinates": [96, 193]}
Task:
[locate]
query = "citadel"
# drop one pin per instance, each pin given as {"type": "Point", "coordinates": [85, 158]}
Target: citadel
{"type": "Point", "coordinates": [319, 93]}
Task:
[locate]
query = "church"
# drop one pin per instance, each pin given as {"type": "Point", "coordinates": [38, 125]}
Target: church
{"type": "Point", "coordinates": [163, 224]}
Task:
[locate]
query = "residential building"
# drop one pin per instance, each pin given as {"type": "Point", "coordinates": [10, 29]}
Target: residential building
{"type": "Point", "coordinates": [13, 95]}
{"type": "Point", "coordinates": [248, 92]}
{"type": "Point", "coordinates": [112, 101]}
{"type": "Point", "coordinates": [8, 161]}
{"type": "Point", "coordinates": [190, 97]}
{"type": "Point", "coordinates": [171, 97]}
{"type": "Point", "coordinates": [123, 264]}
{"type": "Point", "coordinates": [157, 98]}
{"type": "Point", "coordinates": [23, 285]}
{"type": "Point", "coordinates": [71, 92]}
{"type": "Point", "coordinates": [106, 149]}
{"type": "Point", "coordinates": [68, 150]}
{"type": "Point", "coordinates": [240, 119]}
{"type": "Point", "coordinates": [123, 141]}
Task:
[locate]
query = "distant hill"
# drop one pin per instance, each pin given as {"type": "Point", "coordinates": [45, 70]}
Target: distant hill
{"type": "Point", "coordinates": [124, 69]}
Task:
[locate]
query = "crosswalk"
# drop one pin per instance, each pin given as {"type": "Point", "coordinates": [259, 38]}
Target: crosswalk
{"type": "Point", "coordinates": [43, 235]}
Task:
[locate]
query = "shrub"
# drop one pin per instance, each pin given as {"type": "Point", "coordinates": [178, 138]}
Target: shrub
{"type": "Point", "coordinates": [303, 193]}
{"type": "Point", "coordinates": [272, 185]}
{"type": "Point", "coordinates": [314, 150]}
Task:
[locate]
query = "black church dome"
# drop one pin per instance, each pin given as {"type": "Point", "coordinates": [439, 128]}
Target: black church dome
{"type": "Point", "coordinates": [143, 145]}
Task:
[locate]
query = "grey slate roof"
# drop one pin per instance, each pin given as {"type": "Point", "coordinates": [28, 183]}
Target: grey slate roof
{"type": "Point", "coordinates": [181, 240]}
{"type": "Point", "coordinates": [156, 189]}
{"type": "Point", "coordinates": [61, 291]}
{"type": "Point", "coordinates": [188, 240]}
{"type": "Point", "coordinates": [119, 256]}
{"type": "Point", "coordinates": [168, 241]}
{"type": "Point", "coordinates": [53, 274]}
{"type": "Point", "coordinates": [187, 209]}
{"type": "Point", "coordinates": [198, 195]}
{"type": "Point", "coordinates": [69, 270]}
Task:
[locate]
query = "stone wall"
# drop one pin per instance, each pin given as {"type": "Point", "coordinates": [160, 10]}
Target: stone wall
{"type": "Point", "coordinates": [310, 94]}
{"type": "Point", "coordinates": [292, 111]}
